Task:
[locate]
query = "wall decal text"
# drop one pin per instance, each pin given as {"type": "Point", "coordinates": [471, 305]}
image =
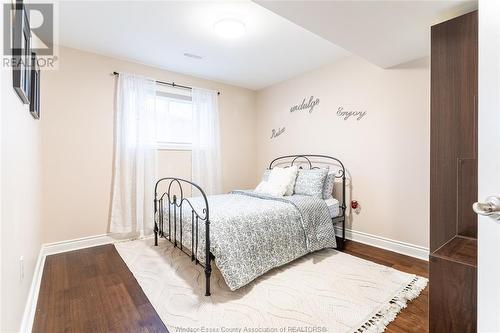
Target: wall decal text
{"type": "Point", "coordinates": [347, 114]}
{"type": "Point", "coordinates": [277, 132]}
{"type": "Point", "coordinates": [306, 106]}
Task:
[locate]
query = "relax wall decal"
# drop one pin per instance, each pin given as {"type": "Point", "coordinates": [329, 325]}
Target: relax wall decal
{"type": "Point", "coordinates": [306, 106]}
{"type": "Point", "coordinates": [277, 132]}
{"type": "Point", "coordinates": [347, 114]}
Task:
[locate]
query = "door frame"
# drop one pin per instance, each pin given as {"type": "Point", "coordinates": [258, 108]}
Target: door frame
{"type": "Point", "coordinates": [489, 165]}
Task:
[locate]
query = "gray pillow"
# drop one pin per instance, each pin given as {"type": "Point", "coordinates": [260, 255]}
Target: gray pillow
{"type": "Point", "coordinates": [310, 182]}
{"type": "Point", "coordinates": [329, 185]}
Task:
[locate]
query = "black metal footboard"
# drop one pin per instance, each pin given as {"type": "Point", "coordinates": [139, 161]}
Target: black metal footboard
{"type": "Point", "coordinates": [169, 207]}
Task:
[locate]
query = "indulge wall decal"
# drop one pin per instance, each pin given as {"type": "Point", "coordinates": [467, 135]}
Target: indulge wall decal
{"type": "Point", "coordinates": [306, 106]}
{"type": "Point", "coordinates": [309, 105]}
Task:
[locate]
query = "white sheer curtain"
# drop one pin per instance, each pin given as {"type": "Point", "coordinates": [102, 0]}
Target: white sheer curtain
{"type": "Point", "coordinates": [135, 156]}
{"type": "Point", "coordinates": [206, 161]}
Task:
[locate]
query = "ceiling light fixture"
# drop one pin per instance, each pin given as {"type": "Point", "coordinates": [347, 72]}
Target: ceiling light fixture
{"type": "Point", "coordinates": [229, 28]}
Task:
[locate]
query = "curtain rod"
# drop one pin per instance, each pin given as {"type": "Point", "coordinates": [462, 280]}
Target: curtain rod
{"type": "Point", "coordinates": [172, 84]}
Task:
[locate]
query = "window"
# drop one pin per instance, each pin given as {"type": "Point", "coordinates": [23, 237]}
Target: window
{"type": "Point", "coordinates": [174, 121]}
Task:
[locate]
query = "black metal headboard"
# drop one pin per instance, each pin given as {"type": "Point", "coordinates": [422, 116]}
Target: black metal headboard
{"type": "Point", "coordinates": [292, 159]}
{"type": "Point", "coordinates": [311, 162]}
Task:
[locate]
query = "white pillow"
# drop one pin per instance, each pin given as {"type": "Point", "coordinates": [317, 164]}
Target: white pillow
{"type": "Point", "coordinates": [284, 177]}
{"type": "Point", "coordinates": [268, 188]}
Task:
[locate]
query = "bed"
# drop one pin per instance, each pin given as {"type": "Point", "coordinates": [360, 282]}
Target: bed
{"type": "Point", "coordinates": [248, 233]}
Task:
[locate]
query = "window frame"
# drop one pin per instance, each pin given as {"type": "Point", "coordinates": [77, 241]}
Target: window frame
{"type": "Point", "coordinates": [172, 93]}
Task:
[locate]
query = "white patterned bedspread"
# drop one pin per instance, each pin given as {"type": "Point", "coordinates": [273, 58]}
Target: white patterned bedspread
{"type": "Point", "coordinates": [253, 233]}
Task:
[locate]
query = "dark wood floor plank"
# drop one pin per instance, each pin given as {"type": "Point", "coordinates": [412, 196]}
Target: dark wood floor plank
{"type": "Point", "coordinates": [92, 290]}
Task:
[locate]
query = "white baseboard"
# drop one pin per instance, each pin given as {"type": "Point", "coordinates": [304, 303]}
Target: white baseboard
{"type": "Point", "coordinates": [30, 308]}
{"type": "Point", "coordinates": [76, 244]}
{"type": "Point", "coordinates": [49, 249]}
{"type": "Point", "coordinates": [411, 250]}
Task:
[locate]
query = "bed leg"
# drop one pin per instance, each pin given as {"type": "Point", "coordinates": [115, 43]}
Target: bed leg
{"type": "Point", "coordinates": [155, 228]}
{"type": "Point", "coordinates": [343, 234]}
{"type": "Point", "coordinates": [341, 239]}
{"type": "Point", "coordinates": [208, 272]}
{"type": "Point", "coordinates": [208, 258]}
{"type": "Point", "coordinates": [156, 235]}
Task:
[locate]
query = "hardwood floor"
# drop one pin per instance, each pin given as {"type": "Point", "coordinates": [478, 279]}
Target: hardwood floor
{"type": "Point", "coordinates": [92, 290]}
{"type": "Point", "coordinates": [415, 318]}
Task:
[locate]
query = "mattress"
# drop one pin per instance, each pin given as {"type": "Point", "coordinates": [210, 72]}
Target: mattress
{"type": "Point", "coordinates": [252, 233]}
{"type": "Point", "coordinates": [333, 207]}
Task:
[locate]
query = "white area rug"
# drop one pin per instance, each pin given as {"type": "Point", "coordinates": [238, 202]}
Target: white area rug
{"type": "Point", "coordinates": [326, 291]}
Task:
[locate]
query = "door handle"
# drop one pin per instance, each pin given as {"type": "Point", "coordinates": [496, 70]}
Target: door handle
{"type": "Point", "coordinates": [489, 208]}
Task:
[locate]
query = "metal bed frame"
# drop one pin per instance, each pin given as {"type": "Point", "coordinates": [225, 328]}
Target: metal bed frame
{"type": "Point", "coordinates": [167, 225]}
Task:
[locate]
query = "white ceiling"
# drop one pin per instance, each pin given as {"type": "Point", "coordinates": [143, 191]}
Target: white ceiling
{"type": "Point", "coordinates": [159, 33]}
{"type": "Point", "coordinates": [386, 33]}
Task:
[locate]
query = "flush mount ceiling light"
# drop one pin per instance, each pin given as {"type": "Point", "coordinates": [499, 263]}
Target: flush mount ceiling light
{"type": "Point", "coordinates": [229, 28]}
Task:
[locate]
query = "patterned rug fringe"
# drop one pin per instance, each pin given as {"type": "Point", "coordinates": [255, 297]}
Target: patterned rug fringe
{"type": "Point", "coordinates": [379, 322]}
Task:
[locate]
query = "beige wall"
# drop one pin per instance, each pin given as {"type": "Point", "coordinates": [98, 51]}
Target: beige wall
{"type": "Point", "coordinates": [77, 131]}
{"type": "Point", "coordinates": [386, 153]}
{"type": "Point", "coordinates": [21, 197]}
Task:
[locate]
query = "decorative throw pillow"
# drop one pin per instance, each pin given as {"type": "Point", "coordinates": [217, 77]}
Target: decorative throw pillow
{"type": "Point", "coordinates": [329, 185]}
{"type": "Point", "coordinates": [284, 176]}
{"type": "Point", "coordinates": [265, 175]}
{"type": "Point", "coordinates": [310, 182]}
{"type": "Point", "coordinates": [268, 188]}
